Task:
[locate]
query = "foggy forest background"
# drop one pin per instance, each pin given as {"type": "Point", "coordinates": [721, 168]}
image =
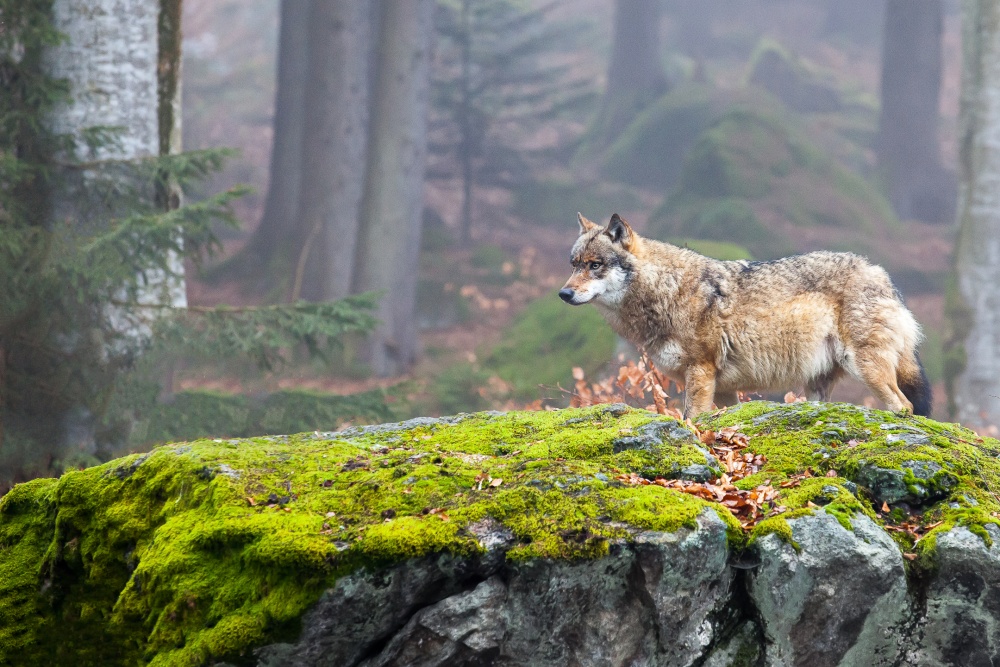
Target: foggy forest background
{"type": "Point", "coordinates": [386, 234]}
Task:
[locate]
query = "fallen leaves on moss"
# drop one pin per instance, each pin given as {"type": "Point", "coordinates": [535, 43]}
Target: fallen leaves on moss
{"type": "Point", "coordinates": [749, 506]}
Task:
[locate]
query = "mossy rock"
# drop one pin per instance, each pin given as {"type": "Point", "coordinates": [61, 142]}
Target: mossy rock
{"type": "Point", "coordinates": [722, 220]}
{"type": "Point", "coordinates": [925, 471]}
{"type": "Point", "coordinates": [650, 152]}
{"type": "Point", "coordinates": [545, 342]}
{"type": "Point", "coordinates": [192, 553]}
{"type": "Point", "coordinates": [797, 83]}
{"type": "Point", "coordinates": [195, 553]}
{"type": "Point", "coordinates": [754, 176]}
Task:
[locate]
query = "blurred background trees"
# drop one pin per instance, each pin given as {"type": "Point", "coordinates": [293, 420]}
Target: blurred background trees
{"type": "Point", "coordinates": [907, 147]}
{"type": "Point", "coordinates": [500, 75]}
{"type": "Point", "coordinates": [434, 153]}
{"type": "Point", "coordinates": [973, 299]}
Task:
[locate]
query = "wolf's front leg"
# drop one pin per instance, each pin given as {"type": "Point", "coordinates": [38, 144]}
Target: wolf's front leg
{"type": "Point", "coordinates": [699, 389]}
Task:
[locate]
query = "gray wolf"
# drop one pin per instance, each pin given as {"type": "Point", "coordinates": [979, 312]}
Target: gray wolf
{"type": "Point", "coordinates": [720, 327]}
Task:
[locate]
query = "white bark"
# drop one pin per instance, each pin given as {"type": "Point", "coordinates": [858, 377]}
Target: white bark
{"type": "Point", "coordinates": [111, 60]}
{"type": "Point", "coordinates": [977, 389]}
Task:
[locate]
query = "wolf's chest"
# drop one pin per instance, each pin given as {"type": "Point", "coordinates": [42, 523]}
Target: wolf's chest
{"type": "Point", "coordinates": [669, 356]}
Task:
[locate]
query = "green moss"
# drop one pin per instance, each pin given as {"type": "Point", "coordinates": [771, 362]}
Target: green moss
{"type": "Point", "coordinates": [844, 440]}
{"type": "Point", "coordinates": [717, 220]}
{"type": "Point", "coordinates": [194, 553]}
{"type": "Point", "coordinates": [649, 152]}
{"type": "Point", "coordinates": [776, 525]}
{"type": "Point", "coordinates": [545, 342]}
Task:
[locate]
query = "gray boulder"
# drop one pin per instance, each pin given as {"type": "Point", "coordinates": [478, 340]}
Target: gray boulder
{"type": "Point", "coordinates": [656, 600]}
{"type": "Point", "coordinates": [830, 597]}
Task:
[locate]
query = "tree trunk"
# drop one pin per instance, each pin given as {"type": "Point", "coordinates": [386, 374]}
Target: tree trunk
{"type": "Point", "coordinates": [906, 145]}
{"type": "Point", "coordinates": [388, 251]}
{"type": "Point", "coordinates": [122, 63]}
{"type": "Point", "coordinates": [269, 244]}
{"type": "Point", "coordinates": [121, 59]}
{"type": "Point", "coordinates": [466, 146]}
{"type": "Point", "coordinates": [858, 19]}
{"type": "Point", "coordinates": [635, 74]}
{"type": "Point", "coordinates": [334, 147]}
{"type": "Point", "coordinates": [976, 394]}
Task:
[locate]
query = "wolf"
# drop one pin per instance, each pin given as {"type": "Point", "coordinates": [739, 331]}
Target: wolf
{"type": "Point", "coordinates": [720, 327]}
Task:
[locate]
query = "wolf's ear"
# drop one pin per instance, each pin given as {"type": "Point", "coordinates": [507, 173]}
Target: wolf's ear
{"type": "Point", "coordinates": [585, 225]}
{"type": "Point", "coordinates": [619, 232]}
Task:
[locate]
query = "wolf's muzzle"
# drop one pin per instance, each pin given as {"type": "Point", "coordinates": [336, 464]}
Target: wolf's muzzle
{"type": "Point", "coordinates": [566, 294]}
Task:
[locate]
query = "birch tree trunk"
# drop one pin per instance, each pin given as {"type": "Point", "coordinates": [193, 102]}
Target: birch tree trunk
{"type": "Point", "coordinates": [976, 389]}
{"type": "Point", "coordinates": [279, 223]}
{"type": "Point", "coordinates": [121, 59]}
{"type": "Point", "coordinates": [392, 206]}
{"type": "Point", "coordinates": [906, 144]}
{"type": "Point", "coordinates": [333, 154]}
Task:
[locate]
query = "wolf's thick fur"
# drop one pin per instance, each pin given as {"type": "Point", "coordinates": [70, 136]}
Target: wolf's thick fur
{"type": "Point", "coordinates": [722, 327]}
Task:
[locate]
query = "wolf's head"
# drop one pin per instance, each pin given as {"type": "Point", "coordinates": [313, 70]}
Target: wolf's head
{"type": "Point", "coordinates": [603, 260]}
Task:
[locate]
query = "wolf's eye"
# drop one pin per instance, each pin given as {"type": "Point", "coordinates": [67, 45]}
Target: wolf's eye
{"type": "Point", "coordinates": [593, 266]}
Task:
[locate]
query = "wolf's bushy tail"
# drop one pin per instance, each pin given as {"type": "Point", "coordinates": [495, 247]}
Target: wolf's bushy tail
{"type": "Point", "coordinates": [912, 381]}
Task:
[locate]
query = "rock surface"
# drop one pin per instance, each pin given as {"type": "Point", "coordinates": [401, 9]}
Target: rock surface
{"type": "Point", "coordinates": [657, 599]}
{"type": "Point", "coordinates": [512, 539]}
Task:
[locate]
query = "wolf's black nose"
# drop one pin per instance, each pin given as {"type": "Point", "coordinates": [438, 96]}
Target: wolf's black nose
{"type": "Point", "coordinates": [566, 294]}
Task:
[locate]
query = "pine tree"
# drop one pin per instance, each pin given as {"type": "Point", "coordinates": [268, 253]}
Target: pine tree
{"type": "Point", "coordinates": [76, 321]}
{"type": "Point", "coordinates": [497, 77]}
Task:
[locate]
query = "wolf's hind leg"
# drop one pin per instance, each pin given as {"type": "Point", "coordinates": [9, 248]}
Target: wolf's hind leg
{"type": "Point", "coordinates": [880, 376]}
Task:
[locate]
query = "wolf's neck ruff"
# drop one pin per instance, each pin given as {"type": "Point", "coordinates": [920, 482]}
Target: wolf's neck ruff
{"type": "Point", "coordinates": [722, 326]}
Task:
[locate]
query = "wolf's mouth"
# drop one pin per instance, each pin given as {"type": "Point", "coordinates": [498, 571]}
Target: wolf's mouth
{"type": "Point", "coordinates": [571, 297]}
